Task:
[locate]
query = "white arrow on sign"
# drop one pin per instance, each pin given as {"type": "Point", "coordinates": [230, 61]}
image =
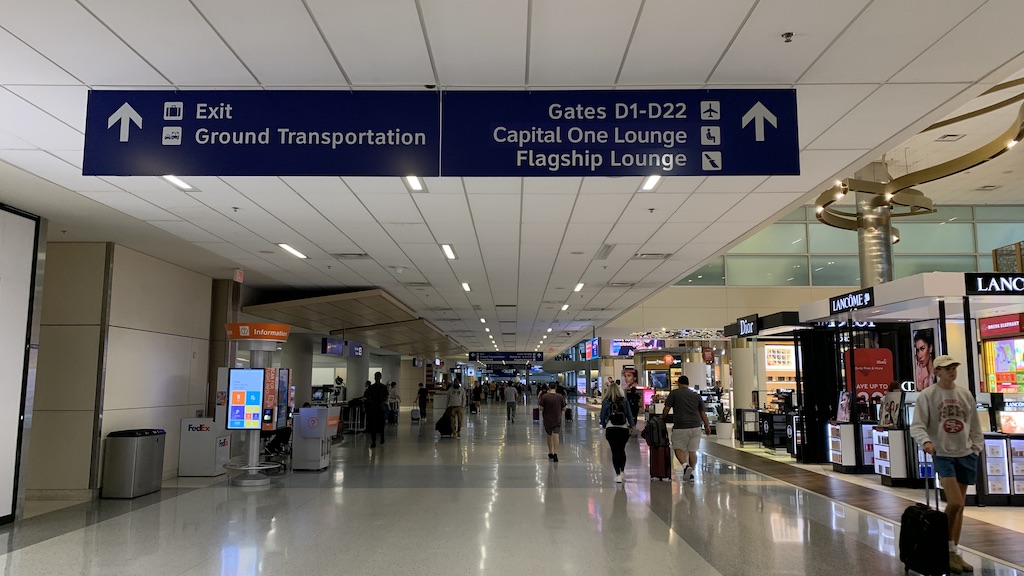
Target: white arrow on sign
{"type": "Point", "coordinates": [125, 115]}
{"type": "Point", "coordinates": [758, 113]}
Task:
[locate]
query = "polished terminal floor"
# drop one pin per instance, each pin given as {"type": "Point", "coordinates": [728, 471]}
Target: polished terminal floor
{"type": "Point", "coordinates": [489, 502]}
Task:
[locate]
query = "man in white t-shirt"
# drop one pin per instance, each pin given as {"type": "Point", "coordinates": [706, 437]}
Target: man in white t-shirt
{"type": "Point", "coordinates": [456, 399]}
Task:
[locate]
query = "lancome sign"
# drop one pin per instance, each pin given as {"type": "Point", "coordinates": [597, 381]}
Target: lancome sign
{"type": "Point", "coordinates": [994, 283]}
{"type": "Point", "coordinates": [860, 299]}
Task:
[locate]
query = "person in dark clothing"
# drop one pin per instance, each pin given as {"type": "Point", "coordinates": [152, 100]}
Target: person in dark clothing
{"type": "Point", "coordinates": [634, 397]}
{"type": "Point", "coordinates": [421, 398]}
{"type": "Point", "coordinates": [376, 402]}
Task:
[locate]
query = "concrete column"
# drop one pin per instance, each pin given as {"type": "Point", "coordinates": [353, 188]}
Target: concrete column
{"type": "Point", "coordinates": [297, 354]}
{"type": "Point", "coordinates": [744, 379]}
{"type": "Point", "coordinates": [224, 308]}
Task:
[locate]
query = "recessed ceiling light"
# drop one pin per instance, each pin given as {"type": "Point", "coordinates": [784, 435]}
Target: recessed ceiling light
{"type": "Point", "coordinates": [549, 329]}
{"type": "Point", "coordinates": [578, 287]}
{"type": "Point", "coordinates": [565, 306]}
{"type": "Point", "coordinates": [465, 286]}
{"type": "Point", "coordinates": [414, 183]}
{"type": "Point", "coordinates": [487, 329]}
{"type": "Point", "coordinates": [483, 321]}
{"type": "Point", "coordinates": [544, 336]}
{"type": "Point", "coordinates": [177, 182]}
{"type": "Point", "coordinates": [448, 252]}
{"type": "Point", "coordinates": [650, 182]}
{"type": "Point", "coordinates": [292, 251]}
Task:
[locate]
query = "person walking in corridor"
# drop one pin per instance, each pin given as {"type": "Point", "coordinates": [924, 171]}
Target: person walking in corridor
{"type": "Point", "coordinates": [376, 400]}
{"type": "Point", "coordinates": [552, 406]}
{"type": "Point", "coordinates": [511, 399]}
{"type": "Point", "coordinates": [456, 400]}
{"type": "Point", "coordinates": [617, 421]}
{"type": "Point", "coordinates": [686, 424]}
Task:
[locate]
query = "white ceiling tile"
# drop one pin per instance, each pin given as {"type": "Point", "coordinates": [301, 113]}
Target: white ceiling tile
{"type": "Point", "coordinates": [677, 233]}
{"type": "Point", "coordinates": [601, 185]}
{"type": "Point", "coordinates": [477, 186]}
{"type": "Point", "coordinates": [650, 208]}
{"type": "Point", "coordinates": [680, 184]}
{"type": "Point", "coordinates": [130, 205]}
{"type": "Point", "coordinates": [554, 209]}
{"type": "Point", "coordinates": [587, 232]}
{"type": "Point", "coordinates": [176, 40]}
{"type": "Point", "coordinates": [65, 103]}
{"type": "Point", "coordinates": [993, 34]}
{"type": "Point", "coordinates": [755, 208]}
{"type": "Point", "coordinates": [185, 230]}
{"type": "Point", "coordinates": [876, 46]}
{"type": "Point", "coordinates": [819, 106]}
{"type": "Point", "coordinates": [234, 252]}
{"type": "Point", "coordinates": [607, 209]}
{"type": "Point", "coordinates": [279, 43]}
{"type": "Point", "coordinates": [888, 110]}
{"type": "Point", "coordinates": [705, 207]}
{"type": "Point", "coordinates": [12, 142]}
{"type": "Point", "coordinates": [729, 184]}
{"type": "Point", "coordinates": [448, 185]}
{"type": "Point", "coordinates": [379, 42]}
{"type": "Point", "coordinates": [816, 167]}
{"type": "Point", "coordinates": [495, 208]}
{"type": "Point", "coordinates": [95, 57]}
{"type": "Point", "coordinates": [758, 55]}
{"type": "Point", "coordinates": [477, 42]}
{"type": "Point", "coordinates": [392, 208]}
{"type": "Point", "coordinates": [701, 30]}
{"type": "Point", "coordinates": [23, 65]}
{"type": "Point", "coordinates": [442, 210]}
{"type": "Point", "coordinates": [592, 34]}
{"type": "Point", "coordinates": [55, 170]}
{"type": "Point", "coordinates": [409, 232]}
{"type": "Point", "coordinates": [548, 186]}
{"type": "Point", "coordinates": [36, 127]}
{"type": "Point", "coordinates": [331, 198]}
{"type": "Point", "coordinates": [375, 185]}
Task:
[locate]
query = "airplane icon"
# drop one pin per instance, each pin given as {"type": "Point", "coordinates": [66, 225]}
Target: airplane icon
{"type": "Point", "coordinates": [710, 110]}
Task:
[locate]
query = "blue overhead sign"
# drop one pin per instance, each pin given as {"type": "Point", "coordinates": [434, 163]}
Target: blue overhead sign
{"type": "Point", "coordinates": [517, 357]}
{"type": "Point", "coordinates": [401, 133]}
{"type": "Point", "coordinates": [620, 133]}
{"type": "Point", "coordinates": [261, 133]}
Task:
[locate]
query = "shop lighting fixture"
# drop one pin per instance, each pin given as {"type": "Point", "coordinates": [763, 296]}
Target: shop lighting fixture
{"type": "Point", "coordinates": [650, 182]}
{"type": "Point", "coordinates": [177, 182]}
{"type": "Point", "coordinates": [292, 251]}
{"type": "Point", "coordinates": [414, 183]}
{"type": "Point", "coordinates": [1011, 144]}
{"type": "Point", "coordinates": [578, 287]}
{"type": "Point", "coordinates": [565, 307]}
{"type": "Point", "coordinates": [448, 252]}
{"type": "Point", "coordinates": [465, 286]}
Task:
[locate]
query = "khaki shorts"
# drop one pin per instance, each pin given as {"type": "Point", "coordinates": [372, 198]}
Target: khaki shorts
{"type": "Point", "coordinates": [686, 439]}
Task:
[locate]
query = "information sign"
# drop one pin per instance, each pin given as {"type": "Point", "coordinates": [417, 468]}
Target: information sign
{"type": "Point", "coordinates": [516, 357]}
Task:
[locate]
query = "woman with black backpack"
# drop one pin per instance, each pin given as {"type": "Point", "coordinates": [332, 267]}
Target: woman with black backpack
{"type": "Point", "coordinates": [618, 422]}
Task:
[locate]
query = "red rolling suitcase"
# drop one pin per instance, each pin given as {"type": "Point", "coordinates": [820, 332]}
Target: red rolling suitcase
{"type": "Point", "coordinates": [924, 536]}
{"type": "Point", "coordinates": [661, 462]}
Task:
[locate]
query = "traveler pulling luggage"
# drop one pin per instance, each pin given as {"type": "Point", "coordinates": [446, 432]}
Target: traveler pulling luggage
{"type": "Point", "coordinates": [655, 433]}
{"type": "Point", "coordinates": [415, 414]}
{"type": "Point", "coordinates": [924, 534]}
{"type": "Point", "coordinates": [444, 425]}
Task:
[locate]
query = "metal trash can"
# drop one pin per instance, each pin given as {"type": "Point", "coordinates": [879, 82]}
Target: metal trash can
{"type": "Point", "coordinates": [133, 463]}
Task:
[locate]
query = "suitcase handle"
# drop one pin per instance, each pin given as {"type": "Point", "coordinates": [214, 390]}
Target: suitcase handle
{"type": "Point", "coordinates": [934, 478]}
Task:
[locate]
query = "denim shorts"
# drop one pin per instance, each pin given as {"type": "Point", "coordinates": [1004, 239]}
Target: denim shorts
{"type": "Point", "coordinates": [963, 468]}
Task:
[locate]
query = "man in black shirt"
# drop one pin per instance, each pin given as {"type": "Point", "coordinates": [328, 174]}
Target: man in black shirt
{"type": "Point", "coordinates": [376, 402]}
{"type": "Point", "coordinates": [421, 398]}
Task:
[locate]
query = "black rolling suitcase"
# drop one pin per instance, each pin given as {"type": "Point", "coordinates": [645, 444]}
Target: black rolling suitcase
{"type": "Point", "coordinates": [444, 424]}
{"type": "Point", "coordinates": [924, 536]}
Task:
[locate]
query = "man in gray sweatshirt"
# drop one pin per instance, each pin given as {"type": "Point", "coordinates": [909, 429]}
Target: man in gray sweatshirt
{"type": "Point", "coordinates": [946, 426]}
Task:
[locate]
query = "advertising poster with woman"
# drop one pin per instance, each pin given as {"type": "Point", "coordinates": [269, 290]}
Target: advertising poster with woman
{"type": "Point", "coordinates": [924, 354]}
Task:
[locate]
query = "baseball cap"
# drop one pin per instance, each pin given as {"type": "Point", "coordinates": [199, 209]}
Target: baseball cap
{"type": "Point", "coordinates": [943, 361]}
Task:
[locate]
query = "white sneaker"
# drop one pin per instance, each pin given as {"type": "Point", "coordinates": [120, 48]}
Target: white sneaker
{"type": "Point", "coordinates": [688, 474]}
{"type": "Point", "coordinates": [618, 477]}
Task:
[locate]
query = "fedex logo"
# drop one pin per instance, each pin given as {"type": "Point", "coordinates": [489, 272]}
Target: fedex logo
{"type": "Point", "coordinates": [198, 428]}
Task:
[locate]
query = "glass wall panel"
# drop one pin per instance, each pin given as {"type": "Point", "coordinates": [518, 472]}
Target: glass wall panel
{"type": "Point", "coordinates": [985, 263]}
{"type": "Point", "coordinates": [825, 239]}
{"type": "Point", "coordinates": [710, 274]}
{"type": "Point", "coordinates": [798, 215]}
{"type": "Point", "coordinates": [910, 265]}
{"type": "Point", "coordinates": [775, 239]}
{"type": "Point", "coordinates": [992, 235]}
{"type": "Point", "coordinates": [999, 213]}
{"type": "Point", "coordinates": [932, 238]}
{"type": "Point", "coordinates": [942, 214]}
{"type": "Point", "coordinates": [835, 271]}
{"type": "Point", "coordinates": [766, 270]}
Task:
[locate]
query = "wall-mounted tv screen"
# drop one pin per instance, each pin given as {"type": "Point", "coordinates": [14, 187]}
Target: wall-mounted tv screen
{"type": "Point", "coordinates": [593, 348]}
{"type": "Point", "coordinates": [332, 346]}
{"type": "Point", "coordinates": [417, 362]}
{"type": "Point", "coordinates": [626, 347]}
{"type": "Point", "coordinates": [245, 398]}
{"type": "Point", "coordinates": [355, 349]}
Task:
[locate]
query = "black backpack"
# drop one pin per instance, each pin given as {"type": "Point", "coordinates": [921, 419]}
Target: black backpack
{"type": "Point", "coordinates": [618, 416]}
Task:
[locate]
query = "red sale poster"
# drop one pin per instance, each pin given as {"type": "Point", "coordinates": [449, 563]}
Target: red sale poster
{"type": "Point", "coordinates": [871, 371]}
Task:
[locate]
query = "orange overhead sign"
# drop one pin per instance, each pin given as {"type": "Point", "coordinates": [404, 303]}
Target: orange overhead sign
{"type": "Point", "coordinates": [255, 331]}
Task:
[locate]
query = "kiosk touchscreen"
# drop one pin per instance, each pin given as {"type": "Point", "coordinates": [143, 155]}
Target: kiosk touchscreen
{"type": "Point", "coordinates": [245, 398]}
